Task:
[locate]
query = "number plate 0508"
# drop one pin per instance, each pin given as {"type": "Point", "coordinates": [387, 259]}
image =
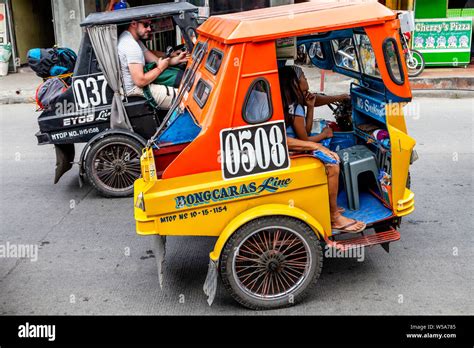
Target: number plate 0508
{"type": "Point", "coordinates": [250, 150]}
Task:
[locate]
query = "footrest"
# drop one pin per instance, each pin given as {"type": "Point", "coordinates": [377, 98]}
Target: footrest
{"type": "Point", "coordinates": [363, 241]}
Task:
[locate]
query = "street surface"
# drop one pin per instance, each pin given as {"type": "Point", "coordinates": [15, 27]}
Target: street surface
{"type": "Point", "coordinates": [90, 261]}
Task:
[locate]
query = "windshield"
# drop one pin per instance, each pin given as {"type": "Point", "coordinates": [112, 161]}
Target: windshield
{"type": "Point", "coordinates": [367, 55]}
{"type": "Point", "coordinates": [176, 108]}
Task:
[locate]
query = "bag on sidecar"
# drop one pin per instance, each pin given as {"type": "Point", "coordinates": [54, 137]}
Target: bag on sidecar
{"type": "Point", "coordinates": [55, 61]}
{"type": "Point", "coordinates": [49, 91]}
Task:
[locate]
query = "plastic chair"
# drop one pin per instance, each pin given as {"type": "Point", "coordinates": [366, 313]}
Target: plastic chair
{"type": "Point", "coordinates": [356, 160]}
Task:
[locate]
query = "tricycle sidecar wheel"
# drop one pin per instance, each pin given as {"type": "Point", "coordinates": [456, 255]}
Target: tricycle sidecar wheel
{"type": "Point", "coordinates": [271, 262]}
{"type": "Point", "coordinates": [113, 164]}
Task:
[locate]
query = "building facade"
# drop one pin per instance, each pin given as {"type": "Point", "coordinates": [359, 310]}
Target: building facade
{"type": "Point", "coordinates": [45, 23]}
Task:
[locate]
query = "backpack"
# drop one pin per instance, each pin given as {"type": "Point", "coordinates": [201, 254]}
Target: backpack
{"type": "Point", "coordinates": [49, 91]}
{"type": "Point", "coordinates": [171, 77]}
{"type": "Point", "coordinates": [51, 61]}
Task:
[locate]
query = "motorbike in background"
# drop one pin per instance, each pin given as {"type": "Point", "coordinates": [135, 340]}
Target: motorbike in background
{"type": "Point", "coordinates": [413, 58]}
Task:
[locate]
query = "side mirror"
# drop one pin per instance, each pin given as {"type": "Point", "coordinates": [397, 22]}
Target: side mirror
{"type": "Point", "coordinates": [301, 54]}
{"type": "Point", "coordinates": [192, 35]}
{"type": "Point", "coordinates": [315, 50]}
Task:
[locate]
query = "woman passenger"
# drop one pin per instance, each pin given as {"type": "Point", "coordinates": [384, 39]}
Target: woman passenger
{"type": "Point", "coordinates": [295, 95]}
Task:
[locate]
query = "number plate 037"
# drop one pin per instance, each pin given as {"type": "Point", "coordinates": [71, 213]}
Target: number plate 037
{"type": "Point", "coordinates": [250, 150]}
{"type": "Point", "coordinates": [91, 91]}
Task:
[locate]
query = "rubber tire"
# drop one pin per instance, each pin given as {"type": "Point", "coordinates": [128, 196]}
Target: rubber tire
{"type": "Point", "coordinates": [110, 139]}
{"type": "Point", "coordinates": [244, 231]}
{"type": "Point", "coordinates": [422, 62]}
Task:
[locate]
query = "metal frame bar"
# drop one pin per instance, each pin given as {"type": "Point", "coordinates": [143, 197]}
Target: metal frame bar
{"type": "Point", "coordinates": [11, 33]}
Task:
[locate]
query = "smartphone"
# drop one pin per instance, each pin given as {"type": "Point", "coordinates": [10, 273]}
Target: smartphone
{"type": "Point", "coordinates": [170, 50]}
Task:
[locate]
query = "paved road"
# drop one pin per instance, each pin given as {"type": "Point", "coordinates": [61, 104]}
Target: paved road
{"type": "Point", "coordinates": [82, 266]}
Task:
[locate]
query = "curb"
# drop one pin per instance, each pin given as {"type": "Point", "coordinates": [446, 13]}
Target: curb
{"type": "Point", "coordinates": [455, 88]}
{"type": "Point", "coordinates": [440, 93]}
{"type": "Point", "coordinates": [5, 100]}
{"type": "Point", "coordinates": [445, 83]}
{"type": "Point", "coordinates": [18, 96]}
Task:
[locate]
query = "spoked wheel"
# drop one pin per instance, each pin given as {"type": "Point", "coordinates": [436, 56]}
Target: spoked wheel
{"type": "Point", "coordinates": [113, 165]}
{"type": "Point", "coordinates": [415, 63]}
{"type": "Point", "coordinates": [271, 262]}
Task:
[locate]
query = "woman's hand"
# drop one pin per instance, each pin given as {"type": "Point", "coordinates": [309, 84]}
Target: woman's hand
{"type": "Point", "coordinates": [329, 153]}
{"type": "Point", "coordinates": [327, 132]}
{"type": "Point", "coordinates": [310, 99]}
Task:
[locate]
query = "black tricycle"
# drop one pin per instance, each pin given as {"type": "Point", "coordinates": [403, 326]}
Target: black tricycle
{"type": "Point", "coordinates": [94, 110]}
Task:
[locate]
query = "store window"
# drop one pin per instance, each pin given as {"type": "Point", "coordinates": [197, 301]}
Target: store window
{"type": "Point", "coordinates": [460, 4]}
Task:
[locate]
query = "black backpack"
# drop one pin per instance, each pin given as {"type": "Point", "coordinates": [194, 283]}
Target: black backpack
{"type": "Point", "coordinates": [48, 62]}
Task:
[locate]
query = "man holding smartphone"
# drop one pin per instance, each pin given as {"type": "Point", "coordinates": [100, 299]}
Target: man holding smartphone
{"type": "Point", "coordinates": [133, 56]}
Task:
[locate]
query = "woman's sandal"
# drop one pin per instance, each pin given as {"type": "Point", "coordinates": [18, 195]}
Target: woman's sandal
{"type": "Point", "coordinates": [341, 210]}
{"type": "Point", "coordinates": [344, 229]}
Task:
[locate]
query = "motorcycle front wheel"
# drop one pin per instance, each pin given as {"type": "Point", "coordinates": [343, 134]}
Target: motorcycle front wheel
{"type": "Point", "coordinates": [415, 63]}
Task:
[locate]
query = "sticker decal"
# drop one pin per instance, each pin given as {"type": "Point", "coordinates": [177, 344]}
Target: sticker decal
{"type": "Point", "coordinates": [73, 134]}
{"type": "Point", "coordinates": [194, 214]}
{"type": "Point", "coordinates": [255, 149]}
{"type": "Point", "coordinates": [102, 115]}
{"type": "Point", "coordinates": [271, 184]}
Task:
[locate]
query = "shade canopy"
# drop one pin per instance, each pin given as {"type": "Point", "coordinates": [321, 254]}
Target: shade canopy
{"type": "Point", "coordinates": [138, 13]}
{"type": "Point", "coordinates": [293, 20]}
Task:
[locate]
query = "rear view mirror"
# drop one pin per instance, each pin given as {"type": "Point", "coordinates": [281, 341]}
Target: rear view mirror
{"type": "Point", "coordinates": [301, 54]}
{"type": "Point", "coordinates": [315, 50]}
{"type": "Point", "coordinates": [192, 35]}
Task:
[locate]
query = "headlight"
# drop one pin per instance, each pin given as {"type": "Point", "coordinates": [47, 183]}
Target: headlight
{"type": "Point", "coordinates": [140, 203]}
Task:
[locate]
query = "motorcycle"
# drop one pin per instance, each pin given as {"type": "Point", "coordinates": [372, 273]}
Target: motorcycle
{"type": "Point", "coordinates": [413, 58]}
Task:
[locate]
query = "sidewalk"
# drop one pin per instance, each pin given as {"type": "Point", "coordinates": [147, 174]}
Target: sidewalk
{"type": "Point", "coordinates": [21, 87]}
{"type": "Point", "coordinates": [445, 78]}
{"type": "Point", "coordinates": [433, 82]}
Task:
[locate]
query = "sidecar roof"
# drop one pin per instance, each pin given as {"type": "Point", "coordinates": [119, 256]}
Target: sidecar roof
{"type": "Point", "coordinates": [138, 13]}
{"type": "Point", "coordinates": [293, 20]}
